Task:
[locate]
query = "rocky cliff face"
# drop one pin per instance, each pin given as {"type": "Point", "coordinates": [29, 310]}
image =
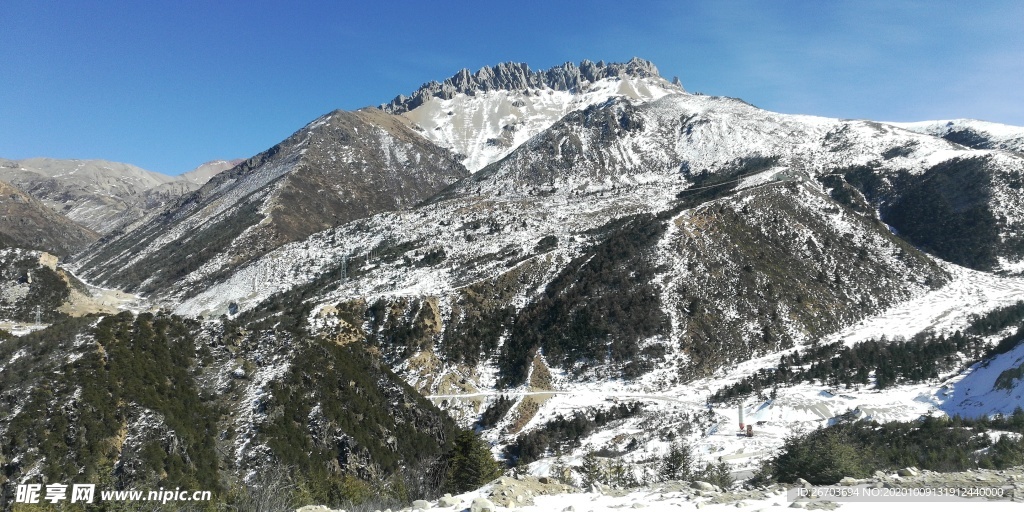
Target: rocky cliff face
{"type": "Point", "coordinates": [517, 76]}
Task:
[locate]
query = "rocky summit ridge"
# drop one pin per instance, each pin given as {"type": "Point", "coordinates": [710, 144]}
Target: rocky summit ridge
{"type": "Point", "coordinates": [516, 76]}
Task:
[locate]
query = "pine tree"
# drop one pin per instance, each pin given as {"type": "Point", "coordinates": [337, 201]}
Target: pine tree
{"type": "Point", "coordinates": [676, 465]}
{"type": "Point", "coordinates": [470, 464]}
{"type": "Point", "coordinates": [591, 470]}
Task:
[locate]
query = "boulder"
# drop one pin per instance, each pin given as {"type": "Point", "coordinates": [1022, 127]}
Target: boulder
{"type": "Point", "coordinates": [911, 471]}
{"type": "Point", "coordinates": [482, 505]}
{"type": "Point", "coordinates": [448, 501]}
{"type": "Point", "coordinates": [703, 486]}
{"type": "Point", "coordinates": [421, 505]}
{"type": "Point", "coordinates": [313, 508]}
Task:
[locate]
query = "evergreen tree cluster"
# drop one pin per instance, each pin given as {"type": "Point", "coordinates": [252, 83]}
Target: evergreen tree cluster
{"type": "Point", "coordinates": [469, 463]}
{"type": "Point", "coordinates": [495, 412]}
{"type": "Point", "coordinates": [919, 359]}
{"type": "Point", "coordinates": [143, 364]}
{"type": "Point", "coordinates": [997, 320]}
{"type": "Point", "coordinates": [857, 449]}
{"type": "Point", "coordinates": [342, 394]}
{"type": "Point", "coordinates": [944, 211]}
{"type": "Point", "coordinates": [48, 290]}
{"type": "Point", "coordinates": [677, 463]}
{"type": "Point", "coordinates": [563, 434]}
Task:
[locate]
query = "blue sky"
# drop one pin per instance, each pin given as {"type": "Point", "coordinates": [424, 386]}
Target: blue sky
{"type": "Point", "coordinates": [169, 85]}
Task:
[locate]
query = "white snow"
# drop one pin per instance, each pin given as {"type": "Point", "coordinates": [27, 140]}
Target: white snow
{"type": "Point", "coordinates": [941, 311]}
{"type": "Point", "coordinates": [475, 126]}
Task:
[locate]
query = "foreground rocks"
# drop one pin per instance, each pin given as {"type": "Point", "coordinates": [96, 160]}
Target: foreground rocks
{"type": "Point", "coordinates": [508, 494]}
{"type": "Point", "coordinates": [519, 492]}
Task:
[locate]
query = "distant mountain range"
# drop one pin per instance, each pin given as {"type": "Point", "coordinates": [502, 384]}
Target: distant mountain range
{"type": "Point", "coordinates": [101, 195]}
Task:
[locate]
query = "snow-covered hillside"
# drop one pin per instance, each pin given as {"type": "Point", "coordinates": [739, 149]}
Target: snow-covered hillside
{"type": "Point", "coordinates": [991, 387]}
{"type": "Point", "coordinates": [972, 133]}
{"type": "Point", "coordinates": [487, 126]}
{"type": "Point", "coordinates": [622, 158]}
{"type": "Point", "coordinates": [585, 170]}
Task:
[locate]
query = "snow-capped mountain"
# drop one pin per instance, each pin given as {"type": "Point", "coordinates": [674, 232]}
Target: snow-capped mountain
{"type": "Point", "coordinates": [483, 117]}
{"type": "Point", "coordinates": [578, 239]}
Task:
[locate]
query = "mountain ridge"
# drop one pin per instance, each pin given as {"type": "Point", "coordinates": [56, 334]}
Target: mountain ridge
{"type": "Point", "coordinates": [27, 223]}
{"type": "Point", "coordinates": [517, 76]}
{"type": "Point", "coordinates": [99, 194]}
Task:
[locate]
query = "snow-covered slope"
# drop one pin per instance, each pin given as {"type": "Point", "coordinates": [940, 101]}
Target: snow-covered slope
{"type": "Point", "coordinates": [614, 159]}
{"type": "Point", "coordinates": [487, 126]}
{"type": "Point", "coordinates": [484, 117]}
{"type": "Point", "coordinates": [342, 166]}
{"type": "Point", "coordinates": [995, 386]}
{"type": "Point", "coordinates": [972, 133]}
{"type": "Point", "coordinates": [620, 241]}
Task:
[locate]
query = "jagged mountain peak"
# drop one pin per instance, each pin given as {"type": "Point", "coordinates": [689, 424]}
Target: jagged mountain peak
{"type": "Point", "coordinates": [482, 117]}
{"type": "Point", "coordinates": [517, 76]}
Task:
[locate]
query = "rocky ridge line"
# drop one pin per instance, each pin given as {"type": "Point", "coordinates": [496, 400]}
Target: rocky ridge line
{"type": "Point", "coordinates": [516, 76]}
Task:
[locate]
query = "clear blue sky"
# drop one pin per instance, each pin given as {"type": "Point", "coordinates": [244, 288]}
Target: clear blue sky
{"type": "Point", "coordinates": [169, 85]}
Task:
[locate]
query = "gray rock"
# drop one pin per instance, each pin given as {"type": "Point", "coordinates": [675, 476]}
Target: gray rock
{"type": "Point", "coordinates": [482, 505]}
{"type": "Point", "coordinates": [798, 504]}
{"type": "Point", "coordinates": [911, 471]}
{"type": "Point", "coordinates": [848, 481]}
{"type": "Point", "coordinates": [421, 505]}
{"type": "Point", "coordinates": [703, 486]}
{"type": "Point", "coordinates": [800, 482]}
{"type": "Point", "coordinates": [515, 76]}
{"type": "Point", "coordinates": [448, 501]}
{"type": "Point", "coordinates": [313, 508]}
